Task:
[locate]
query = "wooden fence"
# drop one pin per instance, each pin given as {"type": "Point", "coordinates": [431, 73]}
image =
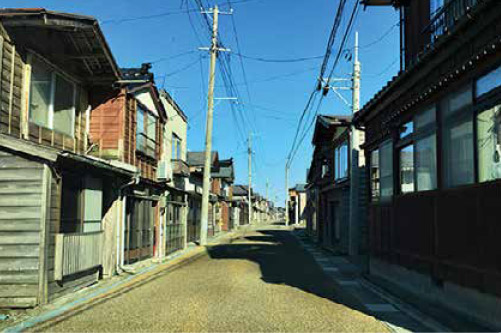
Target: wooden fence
{"type": "Point", "coordinates": [77, 252]}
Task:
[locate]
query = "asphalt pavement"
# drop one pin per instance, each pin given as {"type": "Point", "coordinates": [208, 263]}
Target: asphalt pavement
{"type": "Point", "coordinates": [260, 281]}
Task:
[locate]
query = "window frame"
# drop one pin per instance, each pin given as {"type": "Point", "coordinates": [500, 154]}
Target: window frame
{"type": "Point", "coordinates": [457, 117]}
{"type": "Point", "coordinates": [480, 104]}
{"type": "Point", "coordinates": [147, 116]}
{"type": "Point", "coordinates": [54, 73]}
{"type": "Point", "coordinates": [337, 161]}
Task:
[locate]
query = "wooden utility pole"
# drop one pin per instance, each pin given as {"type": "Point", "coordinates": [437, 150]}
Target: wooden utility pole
{"type": "Point", "coordinates": [208, 131]}
{"type": "Point", "coordinates": [249, 151]}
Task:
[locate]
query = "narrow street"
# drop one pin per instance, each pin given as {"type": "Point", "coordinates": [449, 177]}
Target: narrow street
{"type": "Point", "coordinates": [263, 280]}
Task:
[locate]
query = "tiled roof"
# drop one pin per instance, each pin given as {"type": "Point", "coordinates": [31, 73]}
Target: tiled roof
{"type": "Point", "coordinates": [196, 158]}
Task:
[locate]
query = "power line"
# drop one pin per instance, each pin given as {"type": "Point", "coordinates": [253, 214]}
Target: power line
{"type": "Point", "coordinates": [276, 60]}
{"type": "Point", "coordinates": [341, 49]}
{"type": "Point", "coordinates": [191, 64]}
{"type": "Point", "coordinates": [146, 17]}
{"type": "Point", "coordinates": [330, 43]}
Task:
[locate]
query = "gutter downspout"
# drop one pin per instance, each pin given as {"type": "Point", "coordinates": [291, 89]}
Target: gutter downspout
{"type": "Point", "coordinates": [121, 225]}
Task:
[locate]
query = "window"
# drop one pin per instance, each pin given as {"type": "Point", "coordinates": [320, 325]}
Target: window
{"type": "Point", "coordinates": [426, 163]}
{"type": "Point", "coordinates": [341, 158]}
{"type": "Point", "coordinates": [82, 204]}
{"type": "Point", "coordinates": [176, 147]}
{"type": "Point", "coordinates": [386, 169]}
{"type": "Point", "coordinates": [457, 143]}
{"type": "Point", "coordinates": [489, 129]}
{"type": "Point", "coordinates": [374, 174]}
{"type": "Point", "coordinates": [407, 169]}
{"type": "Point", "coordinates": [406, 130]}
{"type": "Point", "coordinates": [52, 99]}
{"type": "Point", "coordinates": [425, 147]}
{"type": "Point", "coordinates": [489, 144]}
{"type": "Point", "coordinates": [146, 132]}
{"type": "Point", "coordinates": [325, 169]}
{"type": "Point", "coordinates": [488, 82]}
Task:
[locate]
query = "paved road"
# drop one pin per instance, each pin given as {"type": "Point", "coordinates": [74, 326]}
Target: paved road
{"type": "Point", "coordinates": [262, 281]}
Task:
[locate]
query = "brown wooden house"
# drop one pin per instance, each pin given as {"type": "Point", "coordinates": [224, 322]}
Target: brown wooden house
{"type": "Point", "coordinates": [433, 149]}
{"type": "Point", "coordinates": [56, 201]}
{"type": "Point", "coordinates": [126, 126]}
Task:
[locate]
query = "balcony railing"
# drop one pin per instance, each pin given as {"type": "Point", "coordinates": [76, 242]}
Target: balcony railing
{"type": "Point", "coordinates": [77, 252]}
{"type": "Point", "coordinates": [446, 17]}
{"type": "Point", "coordinates": [180, 168]}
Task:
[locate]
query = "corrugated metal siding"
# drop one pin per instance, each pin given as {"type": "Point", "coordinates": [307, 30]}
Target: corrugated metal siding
{"type": "Point", "coordinates": [21, 192]}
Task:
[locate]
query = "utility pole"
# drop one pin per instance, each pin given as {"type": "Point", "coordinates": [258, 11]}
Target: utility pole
{"type": "Point", "coordinates": [208, 129]}
{"type": "Point", "coordinates": [357, 160]}
{"type": "Point", "coordinates": [249, 152]}
{"type": "Point", "coordinates": [287, 193]}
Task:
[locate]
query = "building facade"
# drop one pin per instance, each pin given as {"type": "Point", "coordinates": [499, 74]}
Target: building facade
{"type": "Point", "coordinates": [329, 207]}
{"type": "Point", "coordinates": [433, 158]}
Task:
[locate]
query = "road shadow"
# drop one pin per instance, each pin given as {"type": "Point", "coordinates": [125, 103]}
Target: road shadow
{"type": "Point", "coordinates": [283, 261]}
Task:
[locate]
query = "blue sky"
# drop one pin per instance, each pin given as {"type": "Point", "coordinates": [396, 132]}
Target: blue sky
{"type": "Point", "coordinates": [273, 29]}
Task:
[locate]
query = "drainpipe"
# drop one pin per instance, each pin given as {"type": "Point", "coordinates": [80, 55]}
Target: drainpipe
{"type": "Point", "coordinates": [121, 224]}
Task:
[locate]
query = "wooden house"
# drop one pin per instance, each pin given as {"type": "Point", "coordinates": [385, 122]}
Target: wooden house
{"type": "Point", "coordinates": [126, 126]}
{"type": "Point", "coordinates": [222, 180]}
{"type": "Point", "coordinates": [56, 200]}
{"type": "Point", "coordinates": [329, 189]}
{"type": "Point", "coordinates": [196, 163]}
{"type": "Point", "coordinates": [433, 149]}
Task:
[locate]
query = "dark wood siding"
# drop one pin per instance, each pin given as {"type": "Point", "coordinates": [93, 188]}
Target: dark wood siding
{"type": "Point", "coordinates": [451, 235]}
{"type": "Point", "coordinates": [11, 87]}
{"type": "Point", "coordinates": [21, 198]}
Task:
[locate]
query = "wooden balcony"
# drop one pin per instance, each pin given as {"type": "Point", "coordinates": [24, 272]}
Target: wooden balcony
{"type": "Point", "coordinates": [180, 168]}
{"type": "Point", "coordinates": [77, 252]}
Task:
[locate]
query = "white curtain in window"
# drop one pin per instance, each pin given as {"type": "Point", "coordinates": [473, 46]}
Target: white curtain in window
{"type": "Point", "coordinates": [489, 144]}
{"type": "Point", "coordinates": [426, 163]}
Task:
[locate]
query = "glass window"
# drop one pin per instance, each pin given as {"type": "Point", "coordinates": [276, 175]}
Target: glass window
{"type": "Point", "coordinates": [64, 105]}
{"type": "Point", "coordinates": [341, 157]}
{"type": "Point", "coordinates": [151, 133]}
{"type": "Point", "coordinates": [407, 169]}
{"type": "Point", "coordinates": [406, 130]}
{"type": "Point", "coordinates": [176, 147]}
{"type": "Point", "coordinates": [489, 144]}
{"type": "Point", "coordinates": [140, 136]}
{"type": "Point", "coordinates": [386, 169]}
{"type": "Point", "coordinates": [40, 93]}
{"type": "Point", "coordinates": [52, 99]}
{"type": "Point", "coordinates": [457, 144]}
{"type": "Point", "coordinates": [425, 118]}
{"type": "Point", "coordinates": [488, 82]}
{"type": "Point", "coordinates": [426, 163]}
{"type": "Point", "coordinates": [374, 174]}
{"type": "Point", "coordinates": [92, 204]}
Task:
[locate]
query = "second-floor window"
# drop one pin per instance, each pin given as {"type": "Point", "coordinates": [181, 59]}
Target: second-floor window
{"type": "Point", "coordinates": [341, 160]}
{"type": "Point", "coordinates": [176, 147]}
{"type": "Point", "coordinates": [52, 98]}
{"type": "Point", "coordinates": [146, 132]}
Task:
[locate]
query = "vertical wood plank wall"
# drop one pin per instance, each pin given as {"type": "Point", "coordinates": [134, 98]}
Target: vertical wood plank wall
{"type": "Point", "coordinates": [20, 230]}
{"type": "Point", "coordinates": [11, 87]}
